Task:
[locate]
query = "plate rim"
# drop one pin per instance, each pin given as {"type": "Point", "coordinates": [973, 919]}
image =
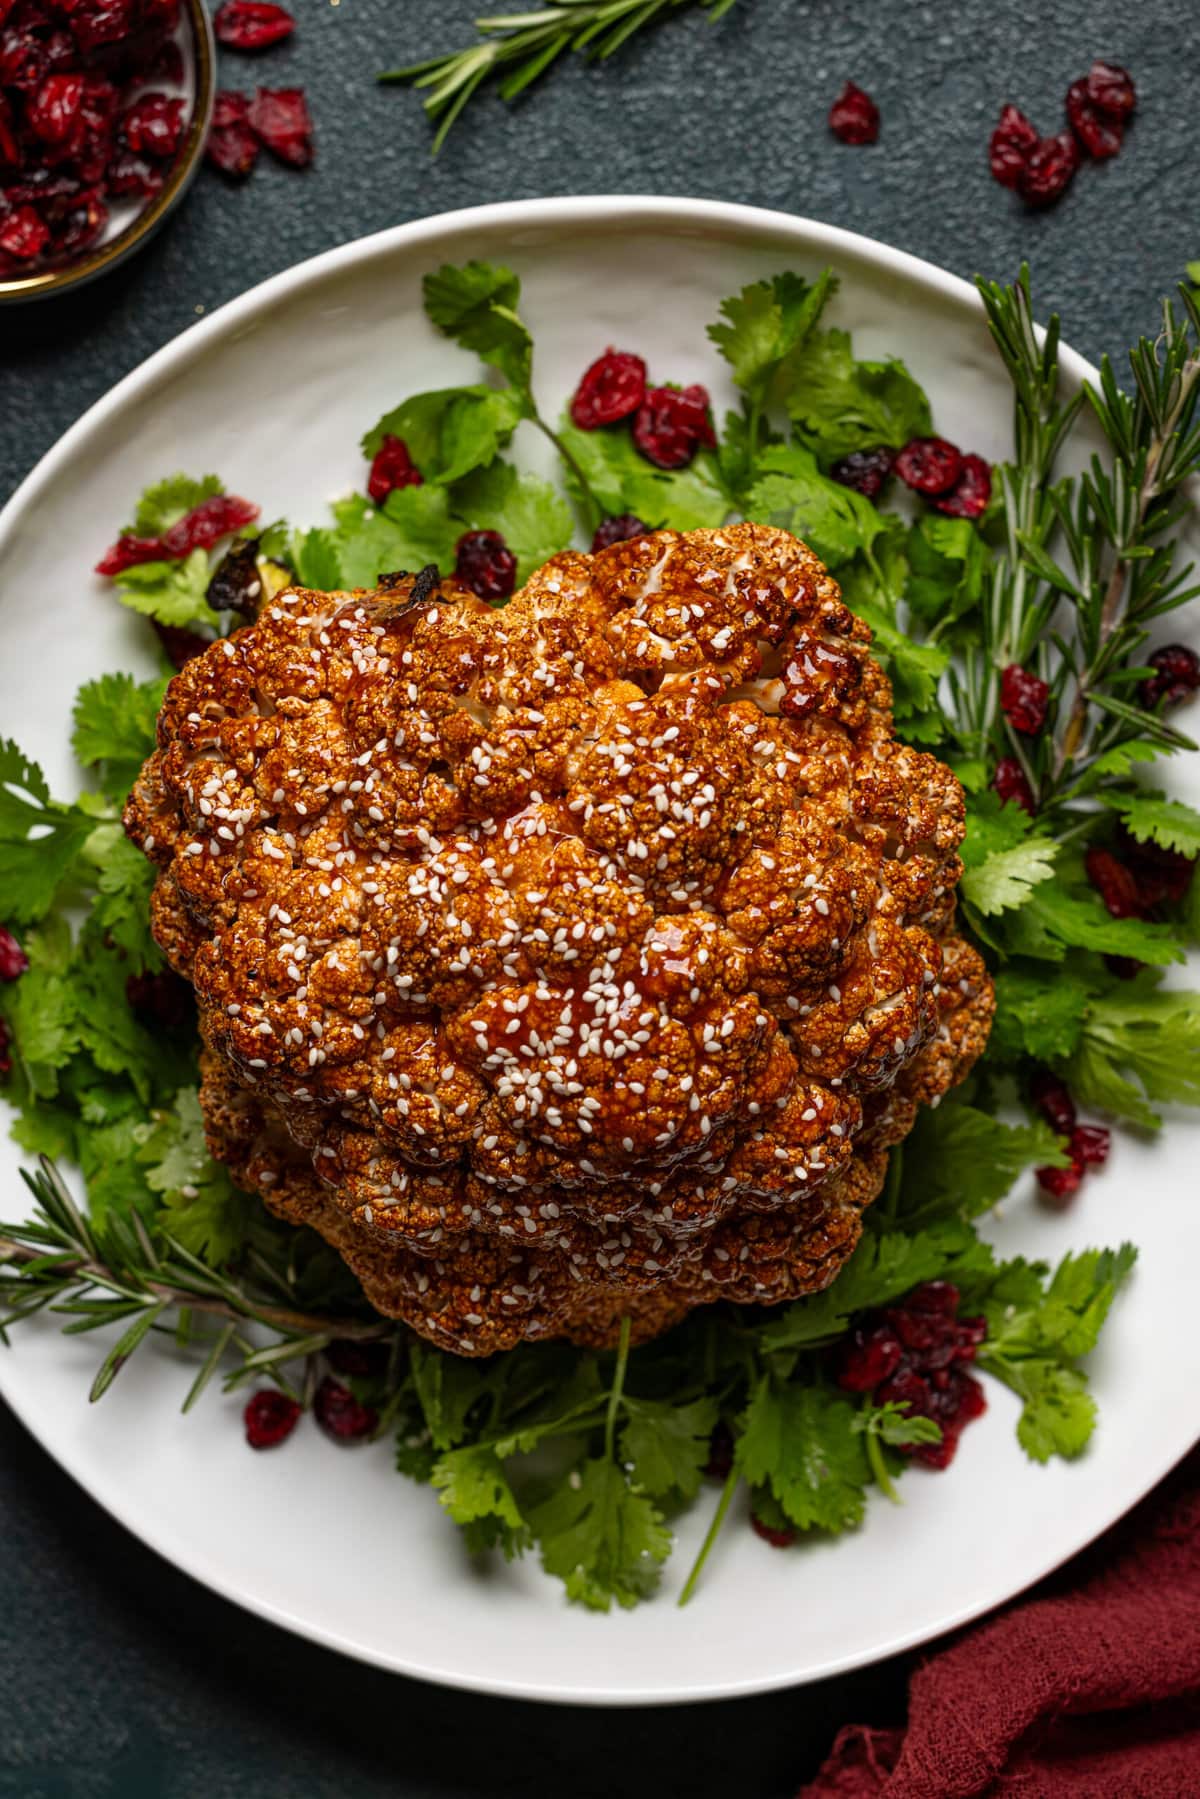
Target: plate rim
{"type": "Point", "coordinates": [189, 345]}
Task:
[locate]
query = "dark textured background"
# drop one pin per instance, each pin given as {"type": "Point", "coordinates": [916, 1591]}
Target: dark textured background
{"type": "Point", "coordinates": [119, 1677]}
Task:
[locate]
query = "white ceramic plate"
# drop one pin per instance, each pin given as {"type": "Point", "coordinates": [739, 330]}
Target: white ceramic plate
{"type": "Point", "coordinates": [273, 392]}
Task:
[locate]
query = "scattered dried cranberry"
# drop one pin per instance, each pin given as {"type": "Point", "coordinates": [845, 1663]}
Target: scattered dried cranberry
{"type": "Point", "coordinates": [252, 24]}
{"type": "Point", "coordinates": [869, 1358]}
{"type": "Point", "coordinates": [617, 530]}
{"type": "Point", "coordinates": [349, 1357]}
{"type": "Point", "coordinates": [13, 960]}
{"type": "Point", "coordinates": [1161, 875]}
{"type": "Point", "coordinates": [779, 1536]}
{"type": "Point", "coordinates": [1011, 142]}
{"type": "Point", "coordinates": [199, 529]}
{"type": "Point", "coordinates": [1124, 968]}
{"type": "Point", "coordinates": [854, 116]}
{"type": "Point", "coordinates": [930, 465]}
{"type": "Point", "coordinates": [865, 470]}
{"type": "Point", "coordinates": [970, 494]}
{"type": "Point", "coordinates": [279, 118]}
{"type": "Point", "coordinates": [1090, 1144]}
{"type": "Point", "coordinates": [232, 147]}
{"type": "Point", "coordinates": [1099, 133]}
{"type": "Point", "coordinates": [913, 1353]}
{"type": "Point", "coordinates": [1053, 1100]}
{"type": "Point", "coordinates": [24, 233]}
{"type": "Point", "coordinates": [163, 1000]}
{"type": "Point", "coordinates": [129, 174]}
{"type": "Point", "coordinates": [179, 644]}
{"type": "Point", "coordinates": [485, 564]}
{"type": "Point", "coordinates": [270, 1418]}
{"type": "Point", "coordinates": [1113, 882]}
{"type": "Point", "coordinates": [153, 126]}
{"type": "Point", "coordinates": [1049, 169]}
{"type": "Point", "coordinates": [10, 150]}
{"type": "Point", "coordinates": [82, 225]}
{"type": "Point", "coordinates": [1111, 89]}
{"type": "Point", "coordinates": [1010, 783]}
{"type": "Point", "coordinates": [671, 424]}
{"type": "Point", "coordinates": [54, 110]}
{"type": "Point", "coordinates": [1024, 699]}
{"type": "Point", "coordinates": [1060, 1185]}
{"type": "Point", "coordinates": [612, 388]}
{"type": "Point", "coordinates": [720, 1451]}
{"type": "Point", "coordinates": [340, 1415]}
{"type": "Point", "coordinates": [392, 467]}
{"type": "Point", "coordinates": [1176, 678]}
{"type": "Point", "coordinates": [5, 1058]}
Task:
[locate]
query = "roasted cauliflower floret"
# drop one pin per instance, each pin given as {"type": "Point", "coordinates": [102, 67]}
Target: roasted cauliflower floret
{"type": "Point", "coordinates": [571, 961]}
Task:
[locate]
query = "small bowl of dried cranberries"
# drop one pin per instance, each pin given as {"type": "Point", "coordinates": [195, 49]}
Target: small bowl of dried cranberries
{"type": "Point", "coordinates": [104, 110]}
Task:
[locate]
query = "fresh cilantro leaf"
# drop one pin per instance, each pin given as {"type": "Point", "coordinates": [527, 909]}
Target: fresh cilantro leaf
{"type": "Point", "coordinates": [202, 1209]}
{"type": "Point", "coordinates": [621, 479]}
{"type": "Point", "coordinates": [789, 490]}
{"type": "Point", "coordinates": [165, 501]}
{"type": "Point", "coordinates": [449, 1388]}
{"type": "Point", "coordinates": [42, 1011]}
{"type": "Point", "coordinates": [451, 431]}
{"type": "Point", "coordinates": [800, 1441]}
{"type": "Point", "coordinates": [948, 560]}
{"type": "Point", "coordinates": [121, 907]}
{"type": "Point", "coordinates": [115, 718]}
{"type": "Point", "coordinates": [885, 1265]}
{"type": "Point", "coordinates": [416, 1457]}
{"type": "Point", "coordinates": [603, 1540]}
{"type": "Point", "coordinates": [958, 1161]}
{"type": "Point", "coordinates": [1153, 818]}
{"type": "Point", "coordinates": [667, 1445]}
{"type": "Point", "coordinates": [873, 585]}
{"type": "Point", "coordinates": [532, 517]}
{"type": "Point", "coordinates": [173, 593]}
{"type": "Point", "coordinates": [116, 1182]}
{"type": "Point", "coordinates": [839, 405]}
{"type": "Point", "coordinates": [412, 528]}
{"type": "Point", "coordinates": [474, 1491]}
{"type": "Point", "coordinates": [1007, 877]}
{"type": "Point", "coordinates": [893, 1425]}
{"type": "Point", "coordinates": [40, 839]}
{"type": "Point", "coordinates": [1056, 919]}
{"type": "Point", "coordinates": [316, 560]}
{"type": "Point", "coordinates": [1035, 1016]}
{"type": "Point", "coordinates": [109, 1030]}
{"type": "Point", "coordinates": [476, 305]}
{"type": "Point", "coordinates": [762, 328]}
{"type": "Point", "coordinates": [992, 828]}
{"type": "Point", "coordinates": [1137, 1033]}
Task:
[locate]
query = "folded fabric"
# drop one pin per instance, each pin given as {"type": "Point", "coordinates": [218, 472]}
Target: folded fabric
{"type": "Point", "coordinates": [1087, 1686]}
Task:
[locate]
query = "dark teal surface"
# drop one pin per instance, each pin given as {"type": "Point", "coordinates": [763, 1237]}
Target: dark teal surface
{"type": "Point", "coordinates": [119, 1677]}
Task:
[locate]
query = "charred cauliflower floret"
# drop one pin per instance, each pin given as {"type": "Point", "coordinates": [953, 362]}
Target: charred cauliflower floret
{"type": "Point", "coordinates": [571, 961]}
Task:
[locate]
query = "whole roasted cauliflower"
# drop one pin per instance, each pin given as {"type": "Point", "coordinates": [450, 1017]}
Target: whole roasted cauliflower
{"type": "Point", "coordinates": [570, 961]}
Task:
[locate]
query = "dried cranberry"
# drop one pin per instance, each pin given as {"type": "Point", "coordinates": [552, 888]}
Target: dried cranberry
{"type": "Point", "coordinates": [1111, 89]}
{"type": "Point", "coordinates": [54, 109]}
{"type": "Point", "coordinates": [612, 388]}
{"type": "Point", "coordinates": [913, 1354]}
{"type": "Point", "coordinates": [392, 467]}
{"type": "Point", "coordinates": [82, 225]}
{"type": "Point", "coordinates": [720, 1451]}
{"type": "Point", "coordinates": [617, 530]}
{"type": "Point", "coordinates": [1060, 1185]}
{"type": "Point", "coordinates": [153, 126]}
{"type": "Point", "coordinates": [1098, 132]}
{"type": "Point", "coordinates": [929, 465]}
{"type": "Point", "coordinates": [23, 61]}
{"type": "Point", "coordinates": [229, 109]}
{"type": "Point", "coordinates": [970, 494]}
{"type": "Point", "coordinates": [10, 150]}
{"type": "Point", "coordinates": [361, 1359]}
{"type": "Point", "coordinates": [1124, 968]}
{"type": "Point", "coordinates": [1011, 142]}
{"type": "Point", "coordinates": [1024, 699]}
{"type": "Point", "coordinates": [1090, 1144]}
{"type": "Point", "coordinates": [869, 1357]}
{"type": "Point", "coordinates": [1053, 1100]}
{"type": "Point", "coordinates": [96, 23]}
{"type": "Point", "coordinates": [865, 470]}
{"type": "Point", "coordinates": [340, 1415]}
{"type": "Point", "coordinates": [232, 148]}
{"type": "Point", "coordinates": [207, 524]}
{"type": "Point", "coordinates": [854, 116]}
{"type": "Point", "coordinates": [270, 1418]}
{"type": "Point", "coordinates": [179, 644]}
{"type": "Point", "coordinates": [779, 1536]}
{"type": "Point", "coordinates": [130, 175]}
{"type": "Point", "coordinates": [24, 233]}
{"type": "Point", "coordinates": [252, 24]}
{"type": "Point", "coordinates": [671, 424]}
{"type": "Point", "coordinates": [1113, 882]}
{"type": "Point", "coordinates": [279, 118]}
{"type": "Point", "coordinates": [1049, 169]}
{"type": "Point", "coordinates": [1161, 874]}
{"type": "Point", "coordinates": [13, 960]}
{"type": "Point", "coordinates": [1010, 783]}
{"type": "Point", "coordinates": [5, 1058]}
{"type": "Point", "coordinates": [127, 552]}
{"type": "Point", "coordinates": [1176, 677]}
{"type": "Point", "coordinates": [965, 1400]}
{"type": "Point", "coordinates": [163, 1000]}
{"type": "Point", "coordinates": [485, 564]}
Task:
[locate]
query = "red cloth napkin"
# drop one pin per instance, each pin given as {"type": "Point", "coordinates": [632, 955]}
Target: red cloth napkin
{"type": "Point", "coordinates": [1086, 1688]}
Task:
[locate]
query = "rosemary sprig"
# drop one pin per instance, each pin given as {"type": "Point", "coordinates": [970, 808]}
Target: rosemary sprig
{"type": "Point", "coordinates": [518, 47]}
{"type": "Point", "coordinates": [58, 1261]}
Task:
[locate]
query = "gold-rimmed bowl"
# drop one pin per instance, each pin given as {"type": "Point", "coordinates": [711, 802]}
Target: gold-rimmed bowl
{"type": "Point", "coordinates": [134, 222]}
